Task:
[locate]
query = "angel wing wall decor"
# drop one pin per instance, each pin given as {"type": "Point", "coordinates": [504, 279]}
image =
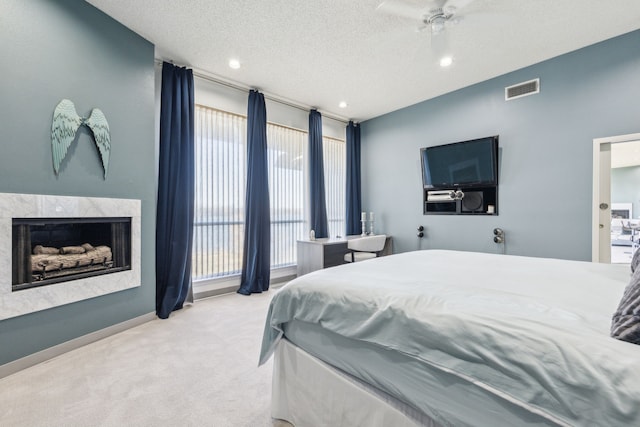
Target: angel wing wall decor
{"type": "Point", "coordinates": [66, 123]}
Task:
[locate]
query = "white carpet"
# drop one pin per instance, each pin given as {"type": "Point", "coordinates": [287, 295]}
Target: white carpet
{"type": "Point", "coordinates": [198, 368]}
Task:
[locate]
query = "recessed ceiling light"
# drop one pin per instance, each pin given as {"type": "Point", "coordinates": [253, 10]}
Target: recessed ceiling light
{"type": "Point", "coordinates": [342, 104]}
{"type": "Point", "coordinates": [446, 61]}
{"type": "Point", "coordinates": [234, 63]}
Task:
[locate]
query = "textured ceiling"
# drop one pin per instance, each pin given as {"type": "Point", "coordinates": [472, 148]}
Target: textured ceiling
{"type": "Point", "coordinates": [318, 53]}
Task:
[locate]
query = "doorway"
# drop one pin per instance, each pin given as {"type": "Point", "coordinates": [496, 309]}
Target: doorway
{"type": "Point", "coordinates": [615, 159]}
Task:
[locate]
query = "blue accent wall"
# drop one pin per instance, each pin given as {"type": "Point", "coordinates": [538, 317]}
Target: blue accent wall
{"type": "Point", "coordinates": [546, 145]}
{"type": "Point", "coordinates": [55, 49]}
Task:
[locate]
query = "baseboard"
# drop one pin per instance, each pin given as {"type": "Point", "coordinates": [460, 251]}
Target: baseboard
{"type": "Point", "coordinates": [212, 292]}
{"type": "Point", "coordinates": [57, 350]}
{"type": "Point", "coordinates": [282, 280]}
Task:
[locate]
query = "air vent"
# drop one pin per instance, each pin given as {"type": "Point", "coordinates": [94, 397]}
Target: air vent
{"type": "Point", "coordinates": [522, 89]}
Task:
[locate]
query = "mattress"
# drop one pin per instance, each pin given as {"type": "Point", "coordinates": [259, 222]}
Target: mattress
{"type": "Point", "coordinates": [505, 335]}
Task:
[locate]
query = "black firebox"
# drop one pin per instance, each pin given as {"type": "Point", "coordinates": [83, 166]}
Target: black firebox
{"type": "Point", "coordinates": [53, 250]}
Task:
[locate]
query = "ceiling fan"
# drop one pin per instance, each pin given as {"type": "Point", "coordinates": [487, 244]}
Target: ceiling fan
{"type": "Point", "coordinates": [434, 15]}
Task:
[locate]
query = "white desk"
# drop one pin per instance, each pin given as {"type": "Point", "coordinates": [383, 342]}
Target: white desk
{"type": "Point", "coordinates": [328, 252]}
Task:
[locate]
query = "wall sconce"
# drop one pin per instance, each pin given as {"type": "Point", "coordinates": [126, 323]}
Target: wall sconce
{"type": "Point", "coordinates": [420, 232]}
{"type": "Point", "coordinates": [498, 235]}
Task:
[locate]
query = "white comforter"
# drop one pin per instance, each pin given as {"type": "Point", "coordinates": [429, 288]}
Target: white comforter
{"type": "Point", "coordinates": [530, 330]}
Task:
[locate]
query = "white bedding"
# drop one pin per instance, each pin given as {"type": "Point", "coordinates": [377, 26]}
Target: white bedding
{"type": "Point", "coordinates": [532, 331]}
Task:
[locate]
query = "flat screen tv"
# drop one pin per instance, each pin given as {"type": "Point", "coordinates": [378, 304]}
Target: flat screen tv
{"type": "Point", "coordinates": [471, 163]}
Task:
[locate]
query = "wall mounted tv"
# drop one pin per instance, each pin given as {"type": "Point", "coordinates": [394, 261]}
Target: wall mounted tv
{"type": "Point", "coordinates": [472, 163]}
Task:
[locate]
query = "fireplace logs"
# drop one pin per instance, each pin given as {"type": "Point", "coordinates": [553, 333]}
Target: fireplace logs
{"type": "Point", "coordinates": [52, 250]}
{"type": "Point", "coordinates": [76, 259]}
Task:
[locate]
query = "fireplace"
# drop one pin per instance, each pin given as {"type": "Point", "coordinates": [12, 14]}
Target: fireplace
{"type": "Point", "coordinates": [46, 251]}
{"type": "Point", "coordinates": [85, 247]}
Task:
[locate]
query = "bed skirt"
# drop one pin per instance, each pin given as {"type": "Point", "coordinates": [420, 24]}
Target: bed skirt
{"type": "Point", "coordinates": [309, 393]}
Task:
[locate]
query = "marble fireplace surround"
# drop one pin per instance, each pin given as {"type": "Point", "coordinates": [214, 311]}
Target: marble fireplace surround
{"type": "Point", "coordinates": [25, 301]}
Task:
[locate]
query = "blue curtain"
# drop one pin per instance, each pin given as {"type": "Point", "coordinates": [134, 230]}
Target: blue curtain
{"type": "Point", "coordinates": [174, 221]}
{"type": "Point", "coordinates": [318, 203]}
{"type": "Point", "coordinates": [353, 190]}
{"type": "Point", "coordinates": [256, 260]}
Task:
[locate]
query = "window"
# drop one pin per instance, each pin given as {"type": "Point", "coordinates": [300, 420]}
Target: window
{"type": "Point", "coordinates": [287, 167]}
{"type": "Point", "coordinates": [220, 181]}
{"type": "Point", "coordinates": [334, 156]}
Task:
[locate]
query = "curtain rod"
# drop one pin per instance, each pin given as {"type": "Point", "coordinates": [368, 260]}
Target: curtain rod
{"type": "Point", "coordinates": [244, 88]}
{"type": "Point", "coordinates": [244, 116]}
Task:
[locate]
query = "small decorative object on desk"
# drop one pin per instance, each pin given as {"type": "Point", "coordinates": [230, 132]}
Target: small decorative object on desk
{"type": "Point", "coordinates": [363, 220]}
{"type": "Point", "coordinates": [312, 235]}
{"type": "Point", "coordinates": [371, 224]}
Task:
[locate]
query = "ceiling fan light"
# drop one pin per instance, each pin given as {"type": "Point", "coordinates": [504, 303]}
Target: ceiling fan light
{"type": "Point", "coordinates": [437, 26]}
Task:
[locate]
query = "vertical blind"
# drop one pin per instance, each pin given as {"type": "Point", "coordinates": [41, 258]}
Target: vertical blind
{"type": "Point", "coordinates": [335, 175]}
{"type": "Point", "coordinates": [287, 163]}
{"type": "Point", "coordinates": [220, 191]}
{"type": "Point", "coordinates": [220, 159]}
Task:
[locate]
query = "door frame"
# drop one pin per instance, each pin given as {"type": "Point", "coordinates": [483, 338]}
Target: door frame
{"type": "Point", "coordinates": [597, 174]}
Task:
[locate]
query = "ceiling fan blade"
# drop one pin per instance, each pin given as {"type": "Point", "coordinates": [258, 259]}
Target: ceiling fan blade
{"type": "Point", "coordinates": [434, 4]}
{"type": "Point", "coordinates": [458, 4]}
{"type": "Point", "coordinates": [400, 8]}
{"type": "Point", "coordinates": [423, 27]}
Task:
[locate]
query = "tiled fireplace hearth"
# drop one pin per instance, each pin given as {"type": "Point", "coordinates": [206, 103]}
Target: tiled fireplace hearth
{"type": "Point", "coordinates": [55, 250]}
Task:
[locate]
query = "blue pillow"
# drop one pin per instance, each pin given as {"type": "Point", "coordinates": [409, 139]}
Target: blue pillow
{"type": "Point", "coordinates": [625, 324]}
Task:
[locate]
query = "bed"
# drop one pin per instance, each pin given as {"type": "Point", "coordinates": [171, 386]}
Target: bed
{"type": "Point", "coordinates": [449, 338]}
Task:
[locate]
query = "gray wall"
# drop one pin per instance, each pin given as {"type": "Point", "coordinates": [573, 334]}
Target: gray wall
{"type": "Point", "coordinates": [546, 153]}
{"type": "Point", "coordinates": [59, 49]}
{"type": "Point", "coordinates": [625, 187]}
